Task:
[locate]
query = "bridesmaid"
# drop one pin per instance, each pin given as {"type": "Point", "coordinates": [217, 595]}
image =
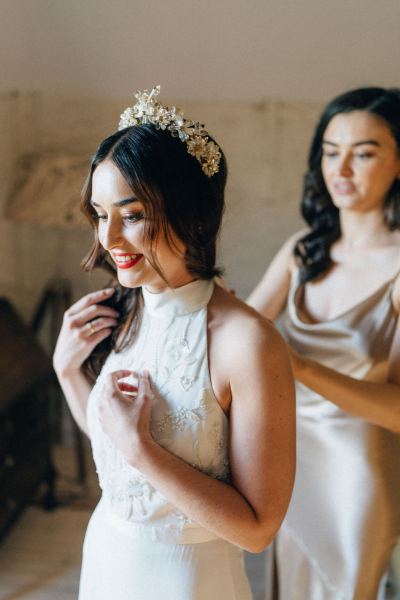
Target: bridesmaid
{"type": "Point", "coordinates": [336, 289]}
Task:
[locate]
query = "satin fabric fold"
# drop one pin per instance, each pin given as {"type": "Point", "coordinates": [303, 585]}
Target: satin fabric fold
{"type": "Point", "coordinates": [344, 516]}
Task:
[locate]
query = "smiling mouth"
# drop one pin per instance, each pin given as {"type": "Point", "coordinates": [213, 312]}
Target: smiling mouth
{"type": "Point", "coordinates": [127, 261]}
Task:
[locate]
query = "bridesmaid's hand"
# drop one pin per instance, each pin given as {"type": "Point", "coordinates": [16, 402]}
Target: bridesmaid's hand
{"type": "Point", "coordinates": [298, 362]}
{"type": "Point", "coordinates": [124, 412]}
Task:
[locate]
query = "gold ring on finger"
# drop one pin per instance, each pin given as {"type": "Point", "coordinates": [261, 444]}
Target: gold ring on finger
{"type": "Point", "coordinates": [91, 327]}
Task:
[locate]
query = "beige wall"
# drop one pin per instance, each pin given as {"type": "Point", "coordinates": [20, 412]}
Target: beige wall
{"type": "Point", "coordinates": [265, 145]}
{"type": "Point", "coordinates": [199, 49]}
{"type": "Point", "coordinates": [228, 62]}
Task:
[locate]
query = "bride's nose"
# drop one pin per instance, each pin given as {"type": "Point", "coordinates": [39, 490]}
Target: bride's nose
{"type": "Point", "coordinates": [110, 234]}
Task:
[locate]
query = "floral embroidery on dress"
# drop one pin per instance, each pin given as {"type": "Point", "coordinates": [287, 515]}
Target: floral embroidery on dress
{"type": "Point", "coordinates": [178, 420]}
{"type": "Point", "coordinates": [186, 418]}
{"type": "Point", "coordinates": [182, 364]}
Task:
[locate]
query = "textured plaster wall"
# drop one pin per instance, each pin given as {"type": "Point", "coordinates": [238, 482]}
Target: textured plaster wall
{"type": "Point", "coordinates": [266, 146]}
{"type": "Point", "coordinates": [224, 50]}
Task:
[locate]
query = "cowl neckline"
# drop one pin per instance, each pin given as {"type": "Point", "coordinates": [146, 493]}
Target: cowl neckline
{"type": "Point", "coordinates": [372, 298]}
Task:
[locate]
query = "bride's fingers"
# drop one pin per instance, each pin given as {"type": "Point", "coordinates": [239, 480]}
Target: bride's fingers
{"type": "Point", "coordinates": [89, 299]}
{"type": "Point", "coordinates": [91, 327]}
{"type": "Point", "coordinates": [98, 336]}
{"type": "Point", "coordinates": [144, 389]}
{"type": "Point", "coordinates": [90, 314]}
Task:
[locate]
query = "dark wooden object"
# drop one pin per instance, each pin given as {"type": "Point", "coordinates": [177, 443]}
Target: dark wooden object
{"type": "Point", "coordinates": [26, 379]}
{"type": "Point", "coordinates": [55, 300]}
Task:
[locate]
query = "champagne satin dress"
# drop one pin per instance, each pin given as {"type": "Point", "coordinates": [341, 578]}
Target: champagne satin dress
{"type": "Point", "coordinates": [344, 515]}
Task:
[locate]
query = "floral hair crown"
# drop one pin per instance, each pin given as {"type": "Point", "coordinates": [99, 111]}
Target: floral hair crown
{"type": "Point", "coordinates": [148, 110]}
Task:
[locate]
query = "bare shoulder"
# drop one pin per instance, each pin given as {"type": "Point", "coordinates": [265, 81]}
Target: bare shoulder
{"type": "Point", "coordinates": [242, 331]}
{"type": "Point", "coordinates": [246, 347]}
{"type": "Point", "coordinates": [270, 294]}
{"type": "Point", "coordinates": [284, 258]}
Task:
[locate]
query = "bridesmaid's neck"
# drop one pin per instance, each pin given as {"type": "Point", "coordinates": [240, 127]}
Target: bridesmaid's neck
{"type": "Point", "coordinates": [363, 229]}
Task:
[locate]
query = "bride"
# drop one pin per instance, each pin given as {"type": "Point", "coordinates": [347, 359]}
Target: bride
{"type": "Point", "coordinates": [186, 392]}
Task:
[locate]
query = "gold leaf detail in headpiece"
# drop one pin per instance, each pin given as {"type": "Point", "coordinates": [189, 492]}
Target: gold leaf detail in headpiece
{"type": "Point", "coordinates": [148, 110]}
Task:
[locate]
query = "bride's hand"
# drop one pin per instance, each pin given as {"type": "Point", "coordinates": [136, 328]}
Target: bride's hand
{"type": "Point", "coordinates": [86, 323]}
{"type": "Point", "coordinates": [124, 413]}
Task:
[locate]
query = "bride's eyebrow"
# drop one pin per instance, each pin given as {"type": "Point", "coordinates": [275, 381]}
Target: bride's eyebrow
{"type": "Point", "coordinates": [118, 203]}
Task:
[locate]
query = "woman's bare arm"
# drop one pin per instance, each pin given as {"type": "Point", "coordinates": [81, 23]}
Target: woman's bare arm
{"type": "Point", "coordinates": [378, 403]}
{"type": "Point", "coordinates": [76, 341]}
{"type": "Point", "coordinates": [76, 390]}
{"type": "Point", "coordinates": [270, 295]}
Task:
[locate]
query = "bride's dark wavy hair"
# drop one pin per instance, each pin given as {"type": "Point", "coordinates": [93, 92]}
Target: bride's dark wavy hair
{"type": "Point", "coordinates": [312, 252]}
{"type": "Point", "coordinates": [177, 197]}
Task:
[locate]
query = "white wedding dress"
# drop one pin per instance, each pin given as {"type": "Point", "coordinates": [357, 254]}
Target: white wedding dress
{"type": "Point", "coordinates": [138, 546]}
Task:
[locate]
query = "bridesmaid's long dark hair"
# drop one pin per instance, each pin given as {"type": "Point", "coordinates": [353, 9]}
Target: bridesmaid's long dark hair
{"type": "Point", "coordinates": [176, 195]}
{"type": "Point", "coordinates": [313, 250]}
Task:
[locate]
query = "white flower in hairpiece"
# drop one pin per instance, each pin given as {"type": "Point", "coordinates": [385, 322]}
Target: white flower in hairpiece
{"type": "Point", "coordinates": [148, 110]}
{"type": "Point", "coordinates": [127, 118]}
{"type": "Point", "coordinates": [164, 117]}
{"type": "Point", "coordinates": [176, 125]}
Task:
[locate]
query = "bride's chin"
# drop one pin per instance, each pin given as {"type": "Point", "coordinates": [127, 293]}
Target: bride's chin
{"type": "Point", "coordinates": [130, 281]}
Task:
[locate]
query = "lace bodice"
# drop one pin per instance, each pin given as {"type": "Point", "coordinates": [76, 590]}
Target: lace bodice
{"type": "Point", "coordinates": [186, 418]}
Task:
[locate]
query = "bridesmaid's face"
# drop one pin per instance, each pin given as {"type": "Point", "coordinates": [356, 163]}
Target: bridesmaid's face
{"type": "Point", "coordinates": [121, 217]}
{"type": "Point", "coordinates": [360, 160]}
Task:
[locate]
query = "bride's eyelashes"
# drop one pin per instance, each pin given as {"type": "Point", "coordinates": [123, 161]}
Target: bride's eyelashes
{"type": "Point", "coordinates": [134, 217]}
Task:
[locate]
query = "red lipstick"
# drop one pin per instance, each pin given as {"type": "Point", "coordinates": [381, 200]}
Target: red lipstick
{"type": "Point", "coordinates": [126, 261]}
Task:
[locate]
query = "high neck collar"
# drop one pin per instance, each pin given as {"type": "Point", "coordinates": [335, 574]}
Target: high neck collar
{"type": "Point", "coordinates": [179, 301]}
